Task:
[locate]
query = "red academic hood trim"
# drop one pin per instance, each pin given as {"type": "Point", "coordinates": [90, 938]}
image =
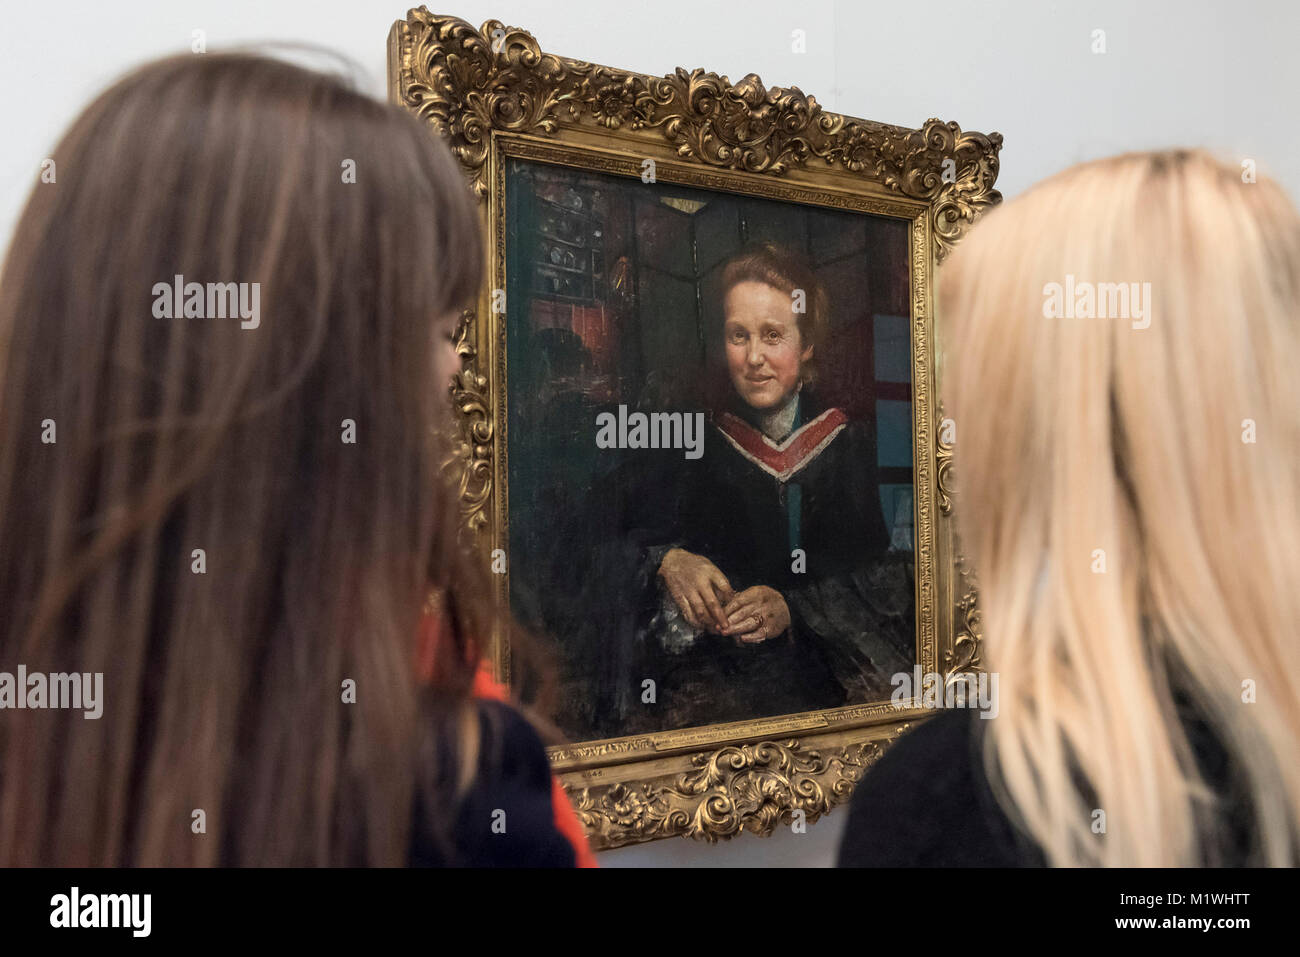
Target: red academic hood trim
{"type": "Point", "coordinates": [784, 459]}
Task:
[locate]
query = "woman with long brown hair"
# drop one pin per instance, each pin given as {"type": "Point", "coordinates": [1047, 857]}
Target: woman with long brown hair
{"type": "Point", "coordinates": [1129, 498]}
{"type": "Point", "coordinates": [225, 329]}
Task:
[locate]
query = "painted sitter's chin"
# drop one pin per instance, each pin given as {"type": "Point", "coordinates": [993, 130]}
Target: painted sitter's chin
{"type": "Point", "coordinates": [765, 395]}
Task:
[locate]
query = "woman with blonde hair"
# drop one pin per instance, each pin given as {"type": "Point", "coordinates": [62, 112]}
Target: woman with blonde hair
{"type": "Point", "coordinates": [1122, 344]}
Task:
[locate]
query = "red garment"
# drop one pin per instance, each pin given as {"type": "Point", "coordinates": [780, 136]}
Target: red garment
{"type": "Point", "coordinates": [783, 459]}
{"type": "Point", "coordinates": [566, 819]}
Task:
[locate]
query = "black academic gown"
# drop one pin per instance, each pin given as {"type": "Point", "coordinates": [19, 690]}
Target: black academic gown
{"type": "Point", "coordinates": [850, 604]}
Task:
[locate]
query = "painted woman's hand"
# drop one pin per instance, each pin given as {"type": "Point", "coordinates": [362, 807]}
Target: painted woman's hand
{"type": "Point", "coordinates": [757, 614]}
{"type": "Point", "coordinates": [698, 587]}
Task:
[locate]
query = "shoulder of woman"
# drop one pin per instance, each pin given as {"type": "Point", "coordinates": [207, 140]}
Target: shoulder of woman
{"type": "Point", "coordinates": [508, 817]}
{"type": "Point", "coordinates": [926, 803]}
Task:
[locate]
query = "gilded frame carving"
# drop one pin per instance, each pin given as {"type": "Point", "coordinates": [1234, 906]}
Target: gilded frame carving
{"type": "Point", "coordinates": [492, 93]}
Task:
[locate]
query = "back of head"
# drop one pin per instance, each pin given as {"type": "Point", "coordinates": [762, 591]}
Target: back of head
{"type": "Point", "coordinates": [183, 506]}
{"type": "Point", "coordinates": [1121, 343]}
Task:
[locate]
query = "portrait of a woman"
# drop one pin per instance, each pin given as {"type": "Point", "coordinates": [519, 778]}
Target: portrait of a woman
{"type": "Point", "coordinates": [774, 594]}
{"type": "Point", "coordinates": [767, 566]}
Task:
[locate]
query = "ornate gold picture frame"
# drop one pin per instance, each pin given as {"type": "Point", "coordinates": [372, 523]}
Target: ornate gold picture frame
{"type": "Point", "coordinates": [498, 99]}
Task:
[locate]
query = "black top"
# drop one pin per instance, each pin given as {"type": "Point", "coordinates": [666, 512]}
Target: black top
{"type": "Point", "coordinates": [851, 618]}
{"type": "Point", "coordinates": [508, 818]}
{"type": "Point", "coordinates": [852, 621]}
{"type": "Point", "coordinates": [928, 803]}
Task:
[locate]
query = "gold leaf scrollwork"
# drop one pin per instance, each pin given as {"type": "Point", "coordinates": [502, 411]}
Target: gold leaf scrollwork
{"type": "Point", "coordinates": [472, 458]}
{"type": "Point", "coordinates": [968, 625]}
{"type": "Point", "coordinates": [964, 656]}
{"type": "Point", "coordinates": [753, 787]}
{"type": "Point", "coordinates": [467, 82]}
{"type": "Point", "coordinates": [943, 453]}
{"type": "Point", "coordinates": [954, 171]}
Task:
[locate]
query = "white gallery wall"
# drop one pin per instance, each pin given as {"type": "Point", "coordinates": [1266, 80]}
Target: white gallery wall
{"type": "Point", "coordinates": [1224, 75]}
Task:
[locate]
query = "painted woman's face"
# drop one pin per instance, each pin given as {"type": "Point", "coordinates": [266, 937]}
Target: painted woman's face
{"type": "Point", "coordinates": [764, 351]}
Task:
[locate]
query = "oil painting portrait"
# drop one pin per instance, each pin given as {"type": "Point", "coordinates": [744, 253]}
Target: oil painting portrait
{"type": "Point", "coordinates": [710, 449]}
